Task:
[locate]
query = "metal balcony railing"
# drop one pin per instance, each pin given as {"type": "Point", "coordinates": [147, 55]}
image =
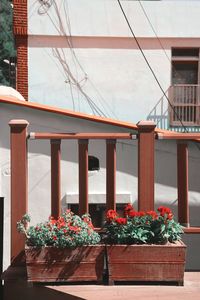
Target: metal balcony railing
{"type": "Point", "coordinates": [183, 110]}
{"type": "Point", "coordinates": [185, 102]}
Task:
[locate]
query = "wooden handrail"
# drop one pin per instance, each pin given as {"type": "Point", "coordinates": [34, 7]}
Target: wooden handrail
{"type": "Point", "coordinates": [178, 136]}
{"type": "Point", "coordinates": [194, 230]}
{"type": "Point", "coordinates": [146, 139]}
{"type": "Point", "coordinates": [83, 136]}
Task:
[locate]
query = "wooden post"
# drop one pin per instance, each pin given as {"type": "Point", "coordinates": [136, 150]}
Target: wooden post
{"type": "Point", "coordinates": [83, 177]}
{"type": "Point", "coordinates": [19, 180]}
{"type": "Point", "coordinates": [55, 179]}
{"type": "Point", "coordinates": [1, 243]}
{"type": "Point", "coordinates": [111, 174]}
{"type": "Point", "coordinates": [146, 165]}
{"type": "Point", "coordinates": [182, 182]}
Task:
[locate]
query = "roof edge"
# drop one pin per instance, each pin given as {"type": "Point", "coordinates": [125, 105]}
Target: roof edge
{"type": "Point", "coordinates": [69, 113]}
{"type": "Point", "coordinates": [66, 112]}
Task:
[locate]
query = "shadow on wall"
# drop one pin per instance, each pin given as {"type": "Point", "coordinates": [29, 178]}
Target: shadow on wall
{"type": "Point", "coordinates": [165, 153]}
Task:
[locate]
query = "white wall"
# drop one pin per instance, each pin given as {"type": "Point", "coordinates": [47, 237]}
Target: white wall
{"type": "Point", "coordinates": [104, 18]}
{"type": "Point", "coordinates": [89, 43]}
{"type": "Point", "coordinates": [39, 169]}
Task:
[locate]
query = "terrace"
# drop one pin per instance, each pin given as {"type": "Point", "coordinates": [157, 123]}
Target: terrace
{"type": "Point", "coordinates": [146, 137]}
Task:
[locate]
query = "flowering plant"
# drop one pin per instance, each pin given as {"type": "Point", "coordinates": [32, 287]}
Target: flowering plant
{"type": "Point", "coordinates": [141, 227]}
{"type": "Point", "coordinates": [69, 230]}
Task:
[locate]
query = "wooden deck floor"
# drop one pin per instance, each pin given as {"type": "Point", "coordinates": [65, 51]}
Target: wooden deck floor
{"type": "Point", "coordinates": [190, 290]}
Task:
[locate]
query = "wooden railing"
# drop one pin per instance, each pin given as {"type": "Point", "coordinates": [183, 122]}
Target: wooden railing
{"type": "Point", "coordinates": [146, 139]}
{"type": "Point", "coordinates": [185, 103]}
{"type": "Point", "coordinates": [19, 166]}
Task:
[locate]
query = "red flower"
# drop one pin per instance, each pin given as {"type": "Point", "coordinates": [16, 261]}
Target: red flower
{"type": "Point", "coordinates": [132, 213]}
{"type": "Point", "coordinates": [127, 209]}
{"type": "Point", "coordinates": [141, 213]}
{"type": "Point", "coordinates": [164, 211]}
{"type": "Point", "coordinates": [170, 216]}
{"type": "Point", "coordinates": [61, 222]}
{"type": "Point", "coordinates": [90, 225]}
{"type": "Point", "coordinates": [86, 220]}
{"type": "Point", "coordinates": [76, 229]}
{"type": "Point", "coordinates": [89, 231]}
{"type": "Point", "coordinates": [52, 221]}
{"type": "Point", "coordinates": [111, 214]}
{"type": "Point", "coordinates": [152, 213]}
{"type": "Point", "coordinates": [121, 221]}
{"type": "Point", "coordinates": [54, 238]}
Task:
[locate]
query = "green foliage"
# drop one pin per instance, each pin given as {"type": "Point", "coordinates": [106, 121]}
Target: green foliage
{"type": "Point", "coordinates": [142, 227]}
{"type": "Point", "coordinates": [7, 49]}
{"type": "Point", "coordinates": [69, 230]}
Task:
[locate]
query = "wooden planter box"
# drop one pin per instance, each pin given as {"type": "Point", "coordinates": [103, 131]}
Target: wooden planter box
{"type": "Point", "coordinates": [50, 264]}
{"type": "Point", "coordinates": [146, 262]}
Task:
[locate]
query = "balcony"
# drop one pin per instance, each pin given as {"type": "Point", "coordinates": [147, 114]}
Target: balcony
{"type": "Point", "coordinates": [185, 105]}
{"type": "Point", "coordinates": [183, 111]}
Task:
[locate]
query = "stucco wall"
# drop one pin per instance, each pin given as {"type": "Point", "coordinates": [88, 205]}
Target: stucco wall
{"type": "Point", "coordinates": [39, 170]}
{"type": "Point", "coordinates": [104, 18]}
{"type": "Point", "coordinates": [82, 51]}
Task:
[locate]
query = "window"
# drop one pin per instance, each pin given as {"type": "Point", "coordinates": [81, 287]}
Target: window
{"type": "Point", "coordinates": [97, 211]}
{"type": "Point", "coordinates": [93, 163]}
{"type": "Point", "coordinates": [184, 92]}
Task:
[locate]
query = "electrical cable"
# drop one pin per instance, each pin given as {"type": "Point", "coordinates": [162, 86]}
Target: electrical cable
{"type": "Point", "coordinates": [171, 63]}
{"type": "Point", "coordinates": [91, 103]}
{"type": "Point", "coordinates": [75, 59]}
{"type": "Point", "coordinates": [149, 21]}
{"type": "Point", "coordinates": [148, 64]}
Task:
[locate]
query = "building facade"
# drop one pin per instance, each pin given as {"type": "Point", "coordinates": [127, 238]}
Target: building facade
{"type": "Point", "coordinates": [82, 55]}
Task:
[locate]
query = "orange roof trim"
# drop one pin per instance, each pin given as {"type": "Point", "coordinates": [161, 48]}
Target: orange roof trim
{"type": "Point", "coordinates": [69, 113]}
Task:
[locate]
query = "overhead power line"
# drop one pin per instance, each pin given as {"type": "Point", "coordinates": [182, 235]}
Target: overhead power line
{"type": "Point", "coordinates": [148, 64]}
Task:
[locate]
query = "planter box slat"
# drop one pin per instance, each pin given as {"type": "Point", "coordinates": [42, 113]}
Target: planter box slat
{"type": "Point", "coordinates": [146, 262]}
{"type": "Point", "coordinates": [65, 265]}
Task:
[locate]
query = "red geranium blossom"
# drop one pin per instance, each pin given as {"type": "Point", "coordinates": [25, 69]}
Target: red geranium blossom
{"type": "Point", "coordinates": [127, 209]}
{"type": "Point", "coordinates": [163, 210]}
{"type": "Point", "coordinates": [74, 228]}
{"type": "Point", "coordinates": [121, 221]}
{"type": "Point", "coordinates": [133, 214]}
{"type": "Point", "coordinates": [152, 213]}
{"type": "Point", "coordinates": [52, 221]}
{"type": "Point", "coordinates": [111, 214]}
{"type": "Point", "coordinates": [141, 213]}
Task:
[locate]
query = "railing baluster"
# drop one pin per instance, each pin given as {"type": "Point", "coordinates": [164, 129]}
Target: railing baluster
{"type": "Point", "coordinates": [194, 102]}
{"type": "Point", "coordinates": [146, 165]}
{"type": "Point", "coordinates": [83, 177]}
{"type": "Point", "coordinates": [19, 181]}
{"type": "Point", "coordinates": [55, 178]}
{"type": "Point", "coordinates": [197, 106]}
{"type": "Point", "coordinates": [1, 243]}
{"type": "Point", "coordinates": [182, 181]}
{"type": "Point", "coordinates": [111, 174]}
